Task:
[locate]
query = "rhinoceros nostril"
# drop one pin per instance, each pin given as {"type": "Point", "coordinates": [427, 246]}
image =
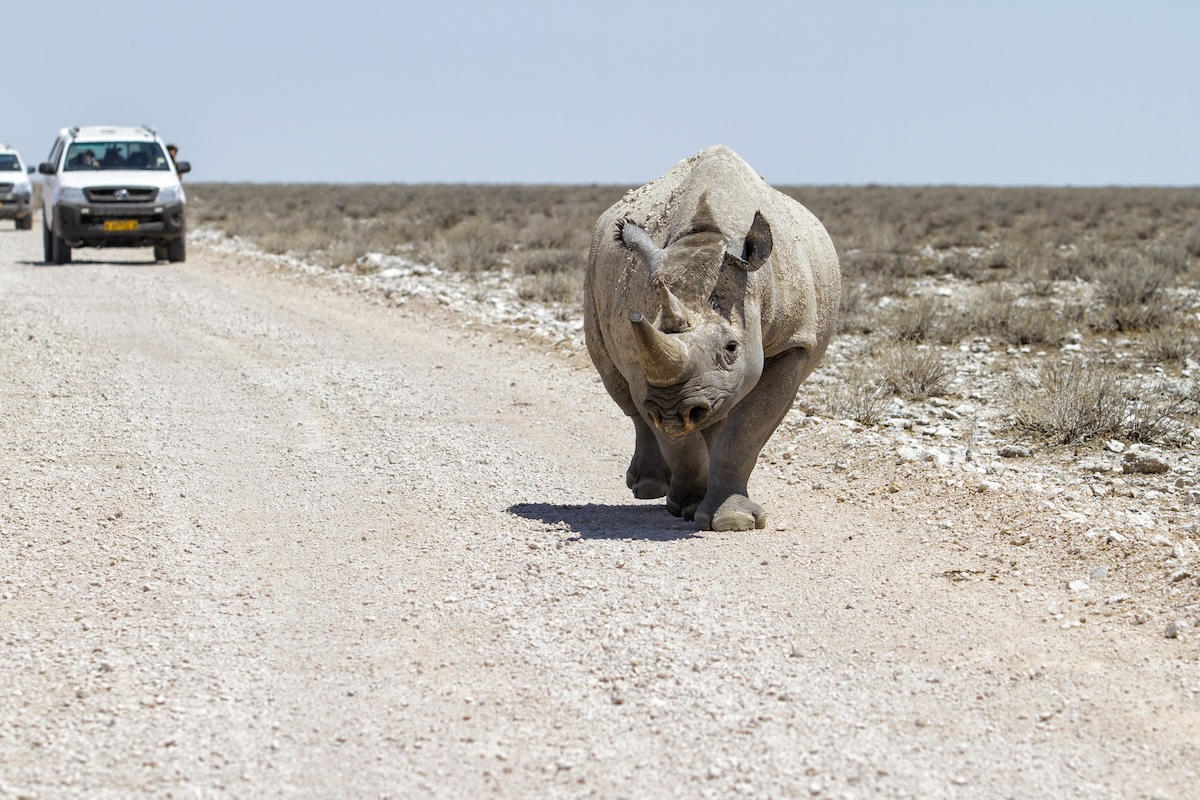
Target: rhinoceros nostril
{"type": "Point", "coordinates": [697, 414]}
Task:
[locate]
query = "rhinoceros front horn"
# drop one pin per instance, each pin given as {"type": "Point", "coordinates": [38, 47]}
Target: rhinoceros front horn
{"type": "Point", "coordinates": [663, 357]}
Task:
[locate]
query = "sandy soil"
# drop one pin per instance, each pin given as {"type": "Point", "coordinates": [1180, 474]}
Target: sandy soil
{"type": "Point", "coordinates": [263, 538]}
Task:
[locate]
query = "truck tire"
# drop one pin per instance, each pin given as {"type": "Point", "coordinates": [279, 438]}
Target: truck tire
{"type": "Point", "coordinates": [160, 252]}
{"type": "Point", "coordinates": [176, 251]}
{"type": "Point", "coordinates": [25, 223]}
{"type": "Point", "coordinates": [47, 245]}
{"type": "Point", "coordinates": [60, 250]}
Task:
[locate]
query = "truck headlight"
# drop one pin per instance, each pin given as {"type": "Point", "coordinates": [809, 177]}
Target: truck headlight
{"type": "Point", "coordinates": [170, 194]}
{"type": "Point", "coordinates": [72, 195]}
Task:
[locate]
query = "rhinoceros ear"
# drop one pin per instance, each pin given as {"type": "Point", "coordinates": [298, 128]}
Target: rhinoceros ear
{"type": "Point", "coordinates": [759, 242]}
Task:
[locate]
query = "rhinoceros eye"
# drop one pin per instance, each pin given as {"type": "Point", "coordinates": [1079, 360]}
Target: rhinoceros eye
{"type": "Point", "coordinates": [731, 350]}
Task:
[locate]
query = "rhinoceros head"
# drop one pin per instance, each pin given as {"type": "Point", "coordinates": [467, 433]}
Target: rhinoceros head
{"type": "Point", "coordinates": [703, 351]}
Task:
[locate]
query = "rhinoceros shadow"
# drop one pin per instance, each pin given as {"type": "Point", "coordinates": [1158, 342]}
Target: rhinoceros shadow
{"type": "Point", "coordinates": [596, 521]}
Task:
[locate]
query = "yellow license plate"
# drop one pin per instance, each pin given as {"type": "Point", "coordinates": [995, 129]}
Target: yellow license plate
{"type": "Point", "coordinates": [120, 225]}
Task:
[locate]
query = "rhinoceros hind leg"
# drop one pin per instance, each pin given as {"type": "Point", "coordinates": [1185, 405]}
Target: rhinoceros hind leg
{"type": "Point", "coordinates": [737, 513]}
{"type": "Point", "coordinates": [648, 474]}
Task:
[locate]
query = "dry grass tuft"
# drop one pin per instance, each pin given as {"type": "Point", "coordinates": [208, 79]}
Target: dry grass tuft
{"type": "Point", "coordinates": [1160, 414]}
{"type": "Point", "coordinates": [915, 372]}
{"type": "Point", "coordinates": [1068, 401]}
{"type": "Point", "coordinates": [1000, 312]}
{"type": "Point", "coordinates": [860, 397]}
{"type": "Point", "coordinates": [1175, 344]}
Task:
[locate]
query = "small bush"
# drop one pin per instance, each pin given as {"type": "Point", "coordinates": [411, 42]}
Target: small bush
{"type": "Point", "coordinates": [1171, 344]}
{"type": "Point", "coordinates": [1068, 401]}
{"type": "Point", "coordinates": [914, 321]}
{"type": "Point", "coordinates": [474, 245]}
{"type": "Point", "coordinates": [915, 372]}
{"type": "Point", "coordinates": [1000, 313]}
{"type": "Point", "coordinates": [1160, 414]}
{"type": "Point", "coordinates": [1191, 241]}
{"type": "Point", "coordinates": [1172, 256]}
{"type": "Point", "coordinates": [1131, 287]}
{"type": "Point", "coordinates": [860, 397]}
{"type": "Point", "coordinates": [851, 307]}
{"type": "Point", "coordinates": [552, 287]}
{"type": "Point", "coordinates": [540, 262]}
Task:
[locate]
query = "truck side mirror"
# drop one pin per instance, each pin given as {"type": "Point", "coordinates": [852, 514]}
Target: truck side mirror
{"type": "Point", "coordinates": [46, 168]}
{"type": "Point", "coordinates": [183, 166]}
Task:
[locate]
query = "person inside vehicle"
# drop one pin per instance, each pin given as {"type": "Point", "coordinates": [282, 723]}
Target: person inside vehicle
{"type": "Point", "coordinates": [171, 151]}
{"type": "Point", "coordinates": [85, 160]}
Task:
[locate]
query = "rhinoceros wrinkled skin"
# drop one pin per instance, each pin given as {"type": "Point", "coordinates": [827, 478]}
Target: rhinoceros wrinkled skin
{"type": "Point", "coordinates": [709, 297]}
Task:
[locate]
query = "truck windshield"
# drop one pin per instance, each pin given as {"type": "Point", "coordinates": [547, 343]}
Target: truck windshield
{"type": "Point", "coordinates": [116, 155]}
{"type": "Point", "coordinates": [9, 163]}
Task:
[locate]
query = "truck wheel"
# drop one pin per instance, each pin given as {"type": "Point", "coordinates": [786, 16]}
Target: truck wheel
{"type": "Point", "coordinates": [25, 223]}
{"type": "Point", "coordinates": [61, 251]}
{"type": "Point", "coordinates": [47, 245]}
{"type": "Point", "coordinates": [160, 252]}
{"type": "Point", "coordinates": [176, 251]}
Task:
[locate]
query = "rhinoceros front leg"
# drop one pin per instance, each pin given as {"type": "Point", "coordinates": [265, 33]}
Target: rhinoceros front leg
{"type": "Point", "coordinates": [648, 474]}
{"type": "Point", "coordinates": [734, 450]}
{"type": "Point", "coordinates": [687, 458]}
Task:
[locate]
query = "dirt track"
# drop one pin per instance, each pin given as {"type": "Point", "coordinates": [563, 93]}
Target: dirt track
{"type": "Point", "coordinates": [259, 538]}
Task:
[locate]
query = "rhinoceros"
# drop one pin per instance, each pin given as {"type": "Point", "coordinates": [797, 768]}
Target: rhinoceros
{"type": "Point", "coordinates": [709, 298]}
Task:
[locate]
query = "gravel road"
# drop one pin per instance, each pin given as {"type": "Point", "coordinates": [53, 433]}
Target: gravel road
{"type": "Point", "coordinates": [263, 538]}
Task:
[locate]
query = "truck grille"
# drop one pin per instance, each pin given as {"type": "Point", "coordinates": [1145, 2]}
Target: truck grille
{"type": "Point", "coordinates": [121, 194]}
{"type": "Point", "coordinates": [5, 188]}
{"type": "Point", "coordinates": [145, 213]}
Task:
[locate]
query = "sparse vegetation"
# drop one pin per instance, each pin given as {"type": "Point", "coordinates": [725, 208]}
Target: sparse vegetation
{"type": "Point", "coordinates": [1068, 401]}
{"type": "Point", "coordinates": [540, 233]}
{"type": "Point", "coordinates": [1072, 276]}
{"type": "Point", "coordinates": [915, 372]}
{"type": "Point", "coordinates": [860, 397]}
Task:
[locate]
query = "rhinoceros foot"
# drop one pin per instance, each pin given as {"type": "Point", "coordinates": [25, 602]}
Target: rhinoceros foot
{"type": "Point", "coordinates": [648, 474]}
{"type": "Point", "coordinates": [649, 489]}
{"type": "Point", "coordinates": [737, 513]}
{"type": "Point", "coordinates": [648, 477]}
{"type": "Point", "coordinates": [683, 499]}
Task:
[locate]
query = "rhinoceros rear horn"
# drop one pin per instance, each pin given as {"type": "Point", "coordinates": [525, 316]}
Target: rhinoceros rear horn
{"type": "Point", "coordinates": [637, 240]}
{"type": "Point", "coordinates": [663, 357]}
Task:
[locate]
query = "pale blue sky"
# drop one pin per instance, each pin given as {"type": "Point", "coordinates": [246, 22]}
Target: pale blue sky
{"type": "Point", "coordinates": [1055, 92]}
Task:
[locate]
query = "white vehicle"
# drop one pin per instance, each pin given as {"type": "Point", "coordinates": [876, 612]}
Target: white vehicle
{"type": "Point", "coordinates": [112, 187]}
{"type": "Point", "coordinates": [15, 189]}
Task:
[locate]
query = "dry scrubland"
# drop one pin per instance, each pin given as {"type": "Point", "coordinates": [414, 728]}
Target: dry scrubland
{"type": "Point", "coordinates": [1096, 285]}
{"type": "Point", "coordinates": [278, 523]}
